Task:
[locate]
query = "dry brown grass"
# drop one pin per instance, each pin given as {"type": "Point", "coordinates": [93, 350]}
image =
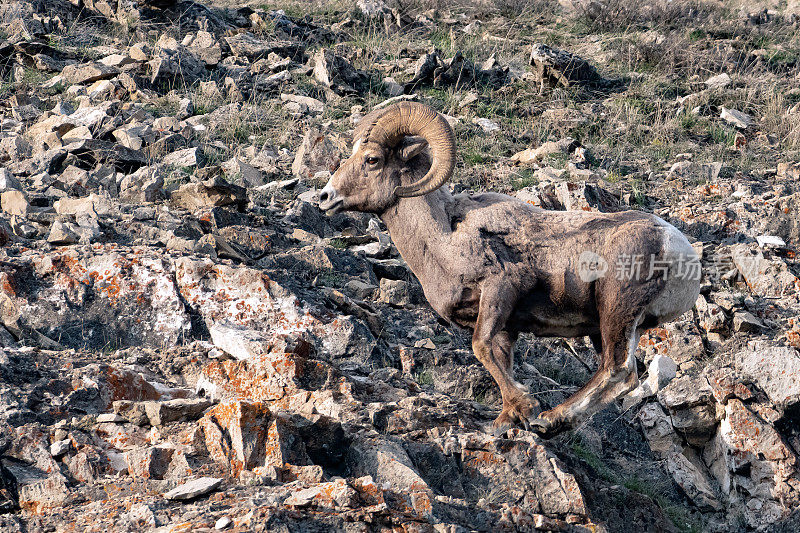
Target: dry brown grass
{"type": "Point", "coordinates": [659, 51]}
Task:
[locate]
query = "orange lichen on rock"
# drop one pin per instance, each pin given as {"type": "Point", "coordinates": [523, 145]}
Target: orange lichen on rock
{"type": "Point", "coordinates": [236, 434]}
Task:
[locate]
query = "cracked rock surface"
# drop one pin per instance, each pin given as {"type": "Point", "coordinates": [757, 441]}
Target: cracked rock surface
{"type": "Point", "coordinates": [188, 344]}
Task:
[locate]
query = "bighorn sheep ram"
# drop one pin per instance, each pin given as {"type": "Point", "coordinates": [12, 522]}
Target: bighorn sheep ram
{"type": "Point", "coordinates": [499, 266]}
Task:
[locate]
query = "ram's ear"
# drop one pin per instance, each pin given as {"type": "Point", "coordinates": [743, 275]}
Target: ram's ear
{"type": "Point", "coordinates": [411, 147]}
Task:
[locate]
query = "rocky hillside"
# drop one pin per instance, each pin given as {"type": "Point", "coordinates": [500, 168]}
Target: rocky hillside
{"type": "Point", "coordinates": [189, 344]}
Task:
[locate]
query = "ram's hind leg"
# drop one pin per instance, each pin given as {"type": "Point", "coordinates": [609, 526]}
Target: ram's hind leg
{"type": "Point", "coordinates": [493, 345]}
{"type": "Point", "coordinates": [615, 377]}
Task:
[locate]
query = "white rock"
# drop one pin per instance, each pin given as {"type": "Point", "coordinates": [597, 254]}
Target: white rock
{"type": "Point", "coordinates": [188, 157]}
{"type": "Point", "coordinates": [392, 87]}
{"type": "Point", "coordinates": [473, 28]}
{"type": "Point", "coordinates": [110, 417]}
{"type": "Point", "coordinates": [59, 447]}
{"type": "Point", "coordinates": [8, 181]}
{"type": "Point", "coordinates": [274, 186]}
{"type": "Point", "coordinates": [238, 341]}
{"type": "Point", "coordinates": [373, 249]}
{"type": "Point", "coordinates": [142, 515]}
{"type": "Point", "coordinates": [394, 99]}
{"type": "Point", "coordinates": [773, 240]}
{"type": "Point", "coordinates": [372, 8]}
{"type": "Point", "coordinates": [222, 523]}
{"type": "Point", "coordinates": [737, 118]}
{"type": "Point", "coordinates": [775, 369]}
{"type": "Point", "coordinates": [91, 205]}
{"type": "Point", "coordinates": [312, 104]}
{"type": "Point", "coordinates": [486, 125]}
{"type": "Point", "coordinates": [453, 121]}
{"type": "Point", "coordinates": [117, 60]}
{"type": "Point", "coordinates": [77, 134]}
{"type": "Point", "coordinates": [302, 497]}
{"type": "Point", "coordinates": [91, 117]}
{"type": "Point", "coordinates": [718, 81]}
{"type": "Point", "coordinates": [742, 191]}
{"type": "Point", "coordinates": [425, 343]}
{"type": "Point", "coordinates": [62, 233]}
{"type": "Point", "coordinates": [101, 89]}
{"type": "Point", "coordinates": [194, 488]}
{"type": "Point", "coordinates": [661, 371]}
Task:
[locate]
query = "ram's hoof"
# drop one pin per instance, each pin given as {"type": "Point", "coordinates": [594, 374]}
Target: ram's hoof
{"type": "Point", "coordinates": [517, 412]}
{"type": "Point", "coordinates": [502, 424]}
{"type": "Point", "coordinates": [540, 426]}
{"type": "Point", "coordinates": [546, 427]}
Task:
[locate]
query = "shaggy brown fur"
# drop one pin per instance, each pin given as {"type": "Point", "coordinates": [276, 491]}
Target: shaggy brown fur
{"type": "Point", "coordinates": [499, 266]}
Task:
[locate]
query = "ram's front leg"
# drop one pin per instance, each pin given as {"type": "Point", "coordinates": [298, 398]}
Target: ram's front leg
{"type": "Point", "coordinates": [493, 346]}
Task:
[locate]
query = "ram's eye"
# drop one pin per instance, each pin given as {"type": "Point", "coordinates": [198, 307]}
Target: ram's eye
{"type": "Point", "coordinates": [373, 160]}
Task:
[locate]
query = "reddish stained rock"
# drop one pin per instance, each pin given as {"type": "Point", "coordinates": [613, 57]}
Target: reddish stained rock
{"type": "Point", "coordinates": [284, 445]}
{"type": "Point", "coordinates": [255, 378]}
{"type": "Point", "coordinates": [264, 377]}
{"type": "Point", "coordinates": [368, 491]}
{"type": "Point", "coordinates": [335, 494]}
{"type": "Point", "coordinates": [747, 433]}
{"type": "Point", "coordinates": [753, 464]}
{"type": "Point", "coordinates": [130, 297]}
{"type": "Point", "coordinates": [774, 369]}
{"type": "Point", "coordinates": [243, 296]}
{"type": "Point", "coordinates": [119, 436]}
{"type": "Point", "coordinates": [30, 444]}
{"type": "Point", "coordinates": [124, 384]}
{"type": "Point", "coordinates": [525, 469]}
{"type": "Point", "coordinates": [50, 492]}
{"type": "Point", "coordinates": [793, 335]}
{"type": "Point", "coordinates": [304, 474]}
{"type": "Point", "coordinates": [149, 463]}
{"type": "Point", "coordinates": [681, 344]}
{"type": "Point", "coordinates": [421, 504]}
{"type": "Point", "coordinates": [725, 385]}
{"type": "Point", "coordinates": [236, 434]}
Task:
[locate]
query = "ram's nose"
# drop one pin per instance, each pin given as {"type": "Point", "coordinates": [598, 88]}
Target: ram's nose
{"type": "Point", "coordinates": [329, 201]}
{"type": "Point", "coordinates": [328, 193]}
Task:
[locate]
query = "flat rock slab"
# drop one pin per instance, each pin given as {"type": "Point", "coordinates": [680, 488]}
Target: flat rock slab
{"type": "Point", "coordinates": [776, 371]}
{"type": "Point", "coordinates": [209, 193]}
{"type": "Point", "coordinates": [194, 488]}
{"type": "Point", "coordinates": [87, 73]}
{"type": "Point", "coordinates": [737, 118]}
{"type": "Point", "coordinates": [249, 46]}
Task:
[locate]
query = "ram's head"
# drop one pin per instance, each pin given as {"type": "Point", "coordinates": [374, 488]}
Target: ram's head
{"type": "Point", "coordinates": [392, 148]}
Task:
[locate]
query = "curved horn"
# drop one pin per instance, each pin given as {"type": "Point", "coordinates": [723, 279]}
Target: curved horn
{"type": "Point", "coordinates": [413, 118]}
